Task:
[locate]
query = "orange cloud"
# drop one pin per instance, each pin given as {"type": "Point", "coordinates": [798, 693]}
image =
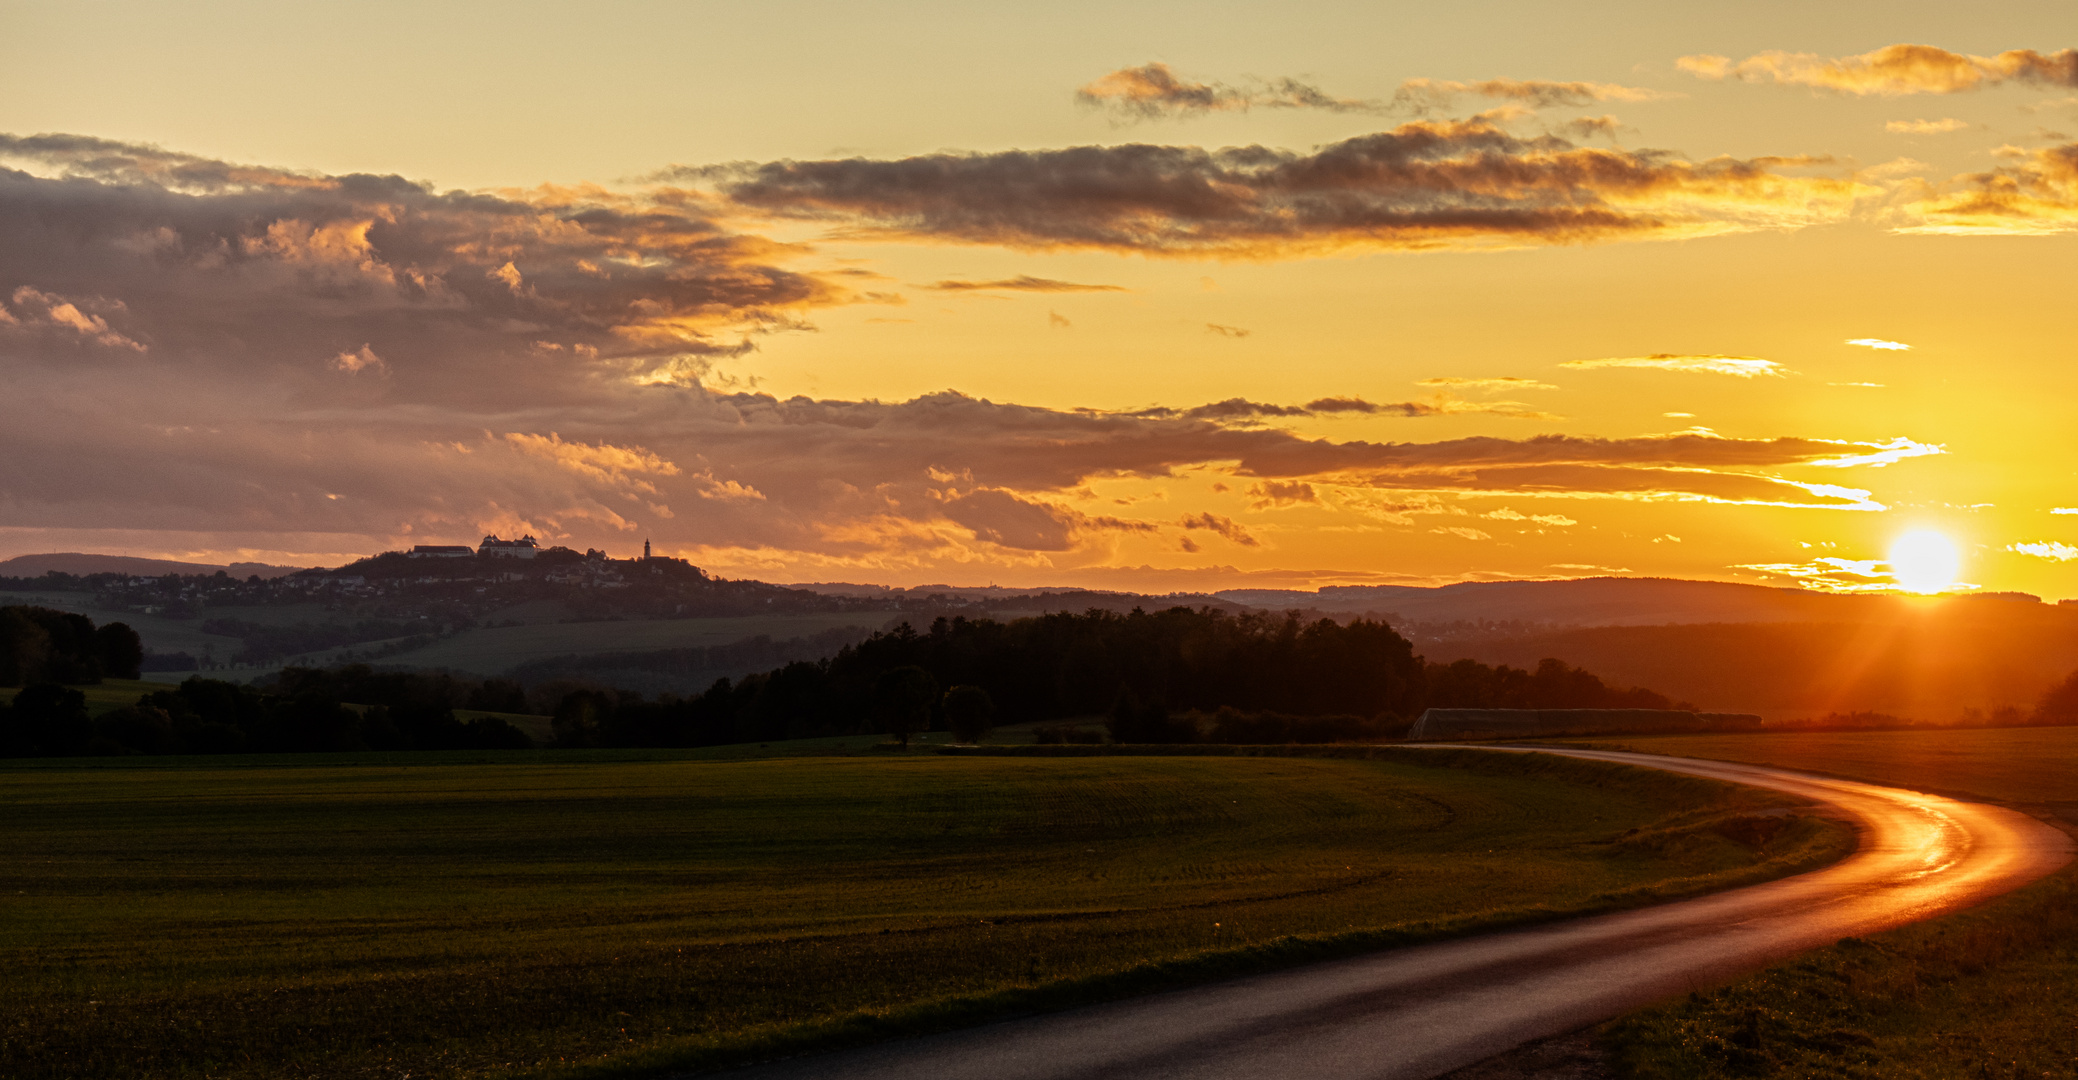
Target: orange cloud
{"type": "Point", "coordinates": [1022, 283]}
{"type": "Point", "coordinates": [1744, 367]}
{"type": "Point", "coordinates": [2037, 196]}
{"type": "Point", "coordinates": [1154, 91]}
{"type": "Point", "coordinates": [1893, 70]}
{"type": "Point", "coordinates": [1426, 184]}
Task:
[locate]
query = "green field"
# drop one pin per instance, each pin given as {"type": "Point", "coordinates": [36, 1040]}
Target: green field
{"type": "Point", "coordinates": [348, 916]}
{"type": "Point", "coordinates": [1991, 992]}
{"type": "Point", "coordinates": [495, 650]}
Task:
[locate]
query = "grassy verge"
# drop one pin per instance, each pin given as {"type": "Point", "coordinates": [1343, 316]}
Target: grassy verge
{"type": "Point", "coordinates": [551, 915]}
{"type": "Point", "coordinates": [1988, 993]}
{"type": "Point", "coordinates": [1991, 992]}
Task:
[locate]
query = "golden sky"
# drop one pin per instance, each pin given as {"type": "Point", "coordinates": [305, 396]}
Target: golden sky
{"type": "Point", "coordinates": [1161, 297]}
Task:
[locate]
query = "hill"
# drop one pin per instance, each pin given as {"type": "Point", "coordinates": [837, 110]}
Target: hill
{"type": "Point", "coordinates": [1599, 601]}
{"type": "Point", "coordinates": [81, 564]}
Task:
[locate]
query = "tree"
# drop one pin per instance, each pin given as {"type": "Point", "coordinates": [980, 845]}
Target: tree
{"type": "Point", "coordinates": [122, 653]}
{"type": "Point", "coordinates": [902, 699]}
{"type": "Point", "coordinates": [970, 712]}
{"type": "Point", "coordinates": [2060, 704]}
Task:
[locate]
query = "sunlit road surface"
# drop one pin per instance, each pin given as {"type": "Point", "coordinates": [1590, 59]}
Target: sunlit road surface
{"type": "Point", "coordinates": [1422, 1011]}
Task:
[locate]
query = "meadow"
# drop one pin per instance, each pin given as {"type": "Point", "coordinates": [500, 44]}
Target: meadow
{"type": "Point", "coordinates": [617, 913]}
{"type": "Point", "coordinates": [1991, 992]}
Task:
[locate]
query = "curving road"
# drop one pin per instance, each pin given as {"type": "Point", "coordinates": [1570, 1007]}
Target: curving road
{"type": "Point", "coordinates": [1422, 1011]}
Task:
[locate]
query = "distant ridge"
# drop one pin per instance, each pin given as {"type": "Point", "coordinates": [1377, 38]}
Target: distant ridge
{"type": "Point", "coordinates": [74, 562]}
{"type": "Point", "coordinates": [1600, 601]}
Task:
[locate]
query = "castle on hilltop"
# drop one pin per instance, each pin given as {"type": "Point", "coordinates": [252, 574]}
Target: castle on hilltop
{"type": "Point", "coordinates": [523, 548]}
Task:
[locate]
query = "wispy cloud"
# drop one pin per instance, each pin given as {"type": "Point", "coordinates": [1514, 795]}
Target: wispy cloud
{"type": "Point", "coordinates": [1242, 409]}
{"type": "Point", "coordinates": [1281, 493]}
{"type": "Point", "coordinates": [2064, 510]}
{"type": "Point", "coordinates": [1491, 385]}
{"type": "Point", "coordinates": [1829, 573]}
{"type": "Point", "coordinates": [1427, 95]}
{"type": "Point", "coordinates": [2053, 550]}
{"type": "Point", "coordinates": [1506, 514]}
{"type": "Point", "coordinates": [1227, 331]}
{"type": "Point", "coordinates": [1222, 526]}
{"type": "Point", "coordinates": [1893, 70]}
{"type": "Point", "coordinates": [1744, 367]}
{"type": "Point", "coordinates": [1426, 184]}
{"type": "Point", "coordinates": [2037, 196]}
{"type": "Point", "coordinates": [1154, 91]}
{"type": "Point", "coordinates": [1925, 127]}
{"type": "Point", "coordinates": [1021, 283]}
{"type": "Point", "coordinates": [1879, 343]}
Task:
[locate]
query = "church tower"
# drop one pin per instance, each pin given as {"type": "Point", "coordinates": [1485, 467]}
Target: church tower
{"type": "Point", "coordinates": [645, 549]}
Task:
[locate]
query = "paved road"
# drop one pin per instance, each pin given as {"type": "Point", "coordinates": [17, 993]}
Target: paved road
{"type": "Point", "coordinates": [1422, 1011]}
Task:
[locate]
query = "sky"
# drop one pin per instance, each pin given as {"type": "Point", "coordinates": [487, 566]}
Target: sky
{"type": "Point", "coordinates": [1151, 297]}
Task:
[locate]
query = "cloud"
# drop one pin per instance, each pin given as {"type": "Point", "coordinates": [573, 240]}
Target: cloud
{"type": "Point", "coordinates": [1588, 127]}
{"type": "Point", "coordinates": [1460, 530]}
{"type": "Point", "coordinates": [1879, 343]}
{"type": "Point", "coordinates": [2037, 196]}
{"type": "Point", "coordinates": [1925, 127]}
{"type": "Point", "coordinates": [573, 406]}
{"type": "Point", "coordinates": [1227, 331]}
{"type": "Point", "coordinates": [1488, 385]}
{"type": "Point", "coordinates": [360, 360]}
{"type": "Point", "coordinates": [1154, 91]}
{"type": "Point", "coordinates": [1506, 514]}
{"type": "Point", "coordinates": [1224, 526]}
{"type": "Point", "coordinates": [1744, 367]}
{"type": "Point", "coordinates": [1281, 493]}
{"type": "Point", "coordinates": [1429, 95]}
{"type": "Point", "coordinates": [2046, 549]}
{"type": "Point", "coordinates": [2064, 510]}
{"type": "Point", "coordinates": [1426, 184]}
{"type": "Point", "coordinates": [1022, 283]}
{"type": "Point", "coordinates": [36, 311]}
{"type": "Point", "coordinates": [226, 263]}
{"type": "Point", "coordinates": [1057, 320]}
{"type": "Point", "coordinates": [1242, 409]}
{"type": "Point", "coordinates": [1893, 70]}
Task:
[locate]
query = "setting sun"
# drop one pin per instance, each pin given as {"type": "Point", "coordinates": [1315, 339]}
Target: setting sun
{"type": "Point", "coordinates": [1924, 561]}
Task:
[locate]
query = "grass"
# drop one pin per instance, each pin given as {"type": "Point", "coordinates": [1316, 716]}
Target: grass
{"type": "Point", "coordinates": [496, 650]}
{"type": "Point", "coordinates": [1991, 992]}
{"type": "Point", "coordinates": [2019, 765]}
{"type": "Point", "coordinates": [624, 912]}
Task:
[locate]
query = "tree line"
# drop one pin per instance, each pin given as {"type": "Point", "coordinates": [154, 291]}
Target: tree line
{"type": "Point", "coordinates": [1179, 675]}
{"type": "Point", "coordinates": [40, 645]}
{"type": "Point", "coordinates": [306, 711]}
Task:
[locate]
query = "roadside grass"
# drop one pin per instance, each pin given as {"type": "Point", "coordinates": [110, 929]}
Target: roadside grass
{"type": "Point", "coordinates": [1991, 992]}
{"type": "Point", "coordinates": [564, 914]}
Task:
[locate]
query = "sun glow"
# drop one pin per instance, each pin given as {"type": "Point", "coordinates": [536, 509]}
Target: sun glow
{"type": "Point", "coordinates": [1924, 561]}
